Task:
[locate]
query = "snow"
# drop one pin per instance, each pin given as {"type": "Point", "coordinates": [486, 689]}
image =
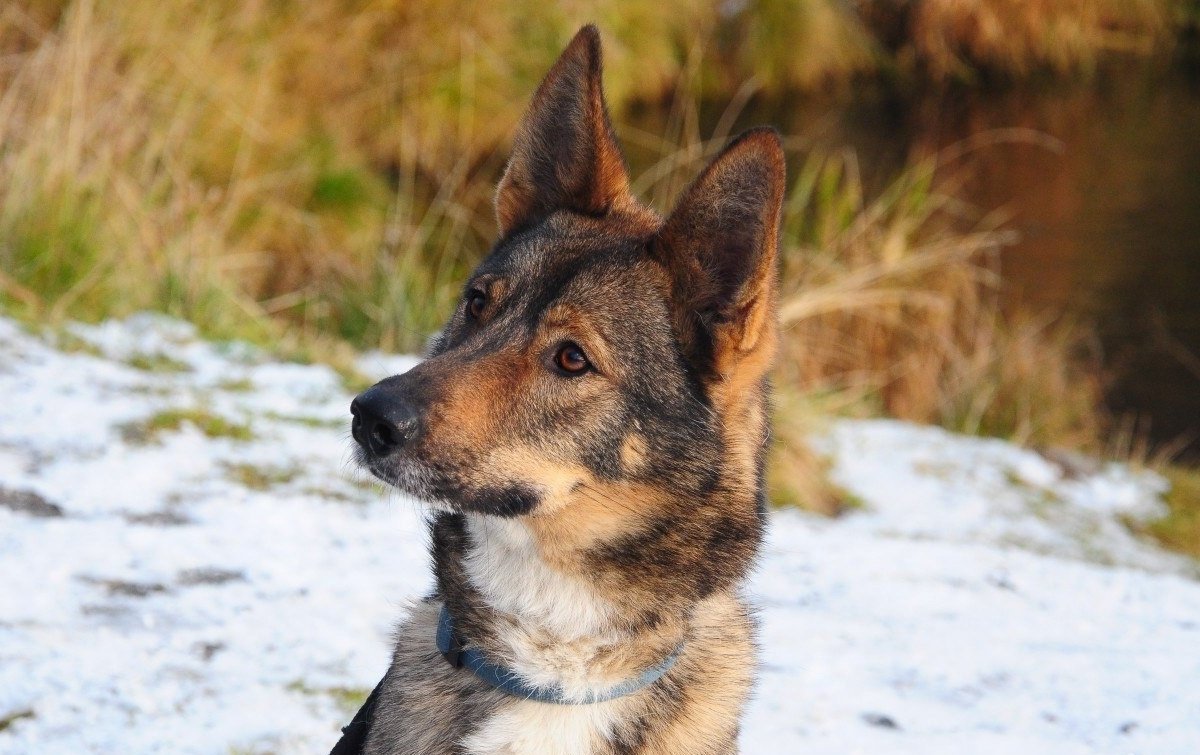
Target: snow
{"type": "Point", "coordinates": [222, 594]}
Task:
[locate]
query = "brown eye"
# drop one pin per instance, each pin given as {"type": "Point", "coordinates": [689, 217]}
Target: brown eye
{"type": "Point", "coordinates": [571, 360]}
{"type": "Point", "coordinates": [476, 301]}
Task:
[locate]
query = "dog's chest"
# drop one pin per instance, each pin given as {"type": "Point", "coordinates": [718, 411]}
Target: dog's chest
{"type": "Point", "coordinates": [505, 568]}
{"type": "Point", "coordinates": [525, 728]}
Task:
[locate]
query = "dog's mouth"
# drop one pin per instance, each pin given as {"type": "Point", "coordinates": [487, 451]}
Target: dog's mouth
{"type": "Point", "coordinates": [406, 475]}
{"type": "Point", "coordinates": [417, 479]}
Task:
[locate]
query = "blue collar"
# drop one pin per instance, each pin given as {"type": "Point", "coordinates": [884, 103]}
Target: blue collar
{"type": "Point", "coordinates": [508, 682]}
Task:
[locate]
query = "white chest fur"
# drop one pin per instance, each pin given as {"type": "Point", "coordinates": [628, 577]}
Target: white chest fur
{"type": "Point", "coordinates": [525, 728]}
{"type": "Point", "coordinates": [506, 568]}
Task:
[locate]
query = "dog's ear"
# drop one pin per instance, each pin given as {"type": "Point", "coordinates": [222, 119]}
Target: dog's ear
{"type": "Point", "coordinates": [721, 245]}
{"type": "Point", "coordinates": [565, 155]}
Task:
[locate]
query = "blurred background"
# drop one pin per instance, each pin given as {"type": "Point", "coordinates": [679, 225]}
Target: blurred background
{"type": "Point", "coordinates": [993, 223]}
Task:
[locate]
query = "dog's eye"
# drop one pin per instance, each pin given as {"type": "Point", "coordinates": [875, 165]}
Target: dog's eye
{"type": "Point", "coordinates": [476, 301]}
{"type": "Point", "coordinates": [570, 359]}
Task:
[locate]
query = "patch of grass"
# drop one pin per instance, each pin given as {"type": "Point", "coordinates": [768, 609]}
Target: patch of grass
{"type": "Point", "coordinates": [348, 699]}
{"type": "Point", "coordinates": [343, 190]}
{"type": "Point", "coordinates": [1043, 502]}
{"type": "Point", "coordinates": [354, 381]}
{"type": "Point", "coordinates": [339, 496]}
{"type": "Point", "coordinates": [65, 340]}
{"type": "Point", "coordinates": [171, 420]}
{"type": "Point", "coordinates": [261, 477]}
{"type": "Point", "coordinates": [236, 385]}
{"type": "Point", "coordinates": [798, 476]}
{"type": "Point", "coordinates": [17, 715]}
{"type": "Point", "coordinates": [1179, 530]}
{"type": "Point", "coordinates": [125, 588]}
{"type": "Point", "coordinates": [158, 391]}
{"type": "Point", "coordinates": [157, 362]}
{"type": "Point", "coordinates": [313, 422]}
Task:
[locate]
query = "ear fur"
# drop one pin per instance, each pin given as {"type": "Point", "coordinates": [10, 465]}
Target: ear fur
{"type": "Point", "coordinates": [565, 155]}
{"type": "Point", "coordinates": [721, 245]}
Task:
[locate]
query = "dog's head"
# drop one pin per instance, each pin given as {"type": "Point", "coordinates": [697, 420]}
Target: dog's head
{"type": "Point", "coordinates": [597, 345]}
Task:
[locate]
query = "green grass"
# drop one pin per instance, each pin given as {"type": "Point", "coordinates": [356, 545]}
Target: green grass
{"type": "Point", "coordinates": [306, 421]}
{"type": "Point", "coordinates": [348, 699]}
{"type": "Point", "coordinates": [1179, 530]}
{"type": "Point", "coordinates": [236, 385]}
{"type": "Point", "coordinates": [171, 420]}
{"type": "Point", "coordinates": [157, 362]}
{"type": "Point", "coordinates": [261, 477]}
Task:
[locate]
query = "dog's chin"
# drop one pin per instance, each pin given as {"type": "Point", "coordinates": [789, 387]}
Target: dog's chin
{"type": "Point", "coordinates": [412, 478]}
{"type": "Point", "coordinates": [406, 476]}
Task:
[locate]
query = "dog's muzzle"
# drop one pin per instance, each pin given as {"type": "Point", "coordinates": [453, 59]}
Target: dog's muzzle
{"type": "Point", "coordinates": [383, 422]}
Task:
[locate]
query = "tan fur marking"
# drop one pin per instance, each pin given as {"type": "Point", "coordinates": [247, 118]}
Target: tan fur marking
{"type": "Point", "coordinates": [520, 464]}
{"type": "Point", "coordinates": [591, 513]}
{"type": "Point", "coordinates": [466, 415]}
{"type": "Point", "coordinates": [633, 452]}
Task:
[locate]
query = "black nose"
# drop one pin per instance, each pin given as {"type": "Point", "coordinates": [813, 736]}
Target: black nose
{"type": "Point", "coordinates": [383, 422]}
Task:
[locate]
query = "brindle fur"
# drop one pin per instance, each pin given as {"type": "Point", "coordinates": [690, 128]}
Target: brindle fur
{"type": "Point", "coordinates": [626, 502]}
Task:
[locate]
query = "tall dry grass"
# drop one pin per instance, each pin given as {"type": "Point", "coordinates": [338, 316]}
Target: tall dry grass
{"type": "Point", "coordinates": [325, 165]}
{"type": "Point", "coordinates": [321, 166]}
{"type": "Point", "coordinates": [893, 303]}
{"type": "Point", "coordinates": [1013, 38]}
{"type": "Point", "coordinates": [892, 306]}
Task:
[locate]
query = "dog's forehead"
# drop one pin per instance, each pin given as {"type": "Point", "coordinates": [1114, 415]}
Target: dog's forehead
{"type": "Point", "coordinates": [572, 263]}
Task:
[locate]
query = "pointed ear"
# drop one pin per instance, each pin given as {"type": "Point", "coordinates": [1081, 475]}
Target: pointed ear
{"type": "Point", "coordinates": [721, 246]}
{"type": "Point", "coordinates": [565, 155]}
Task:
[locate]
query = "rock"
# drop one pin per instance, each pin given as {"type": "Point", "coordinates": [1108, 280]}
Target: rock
{"type": "Point", "coordinates": [126, 589]}
{"type": "Point", "coordinates": [209, 575]}
{"type": "Point", "coordinates": [29, 502]}
{"type": "Point", "coordinates": [163, 518]}
{"type": "Point", "coordinates": [881, 720]}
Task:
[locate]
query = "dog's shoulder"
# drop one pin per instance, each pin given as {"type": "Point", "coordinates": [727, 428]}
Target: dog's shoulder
{"type": "Point", "coordinates": [424, 706]}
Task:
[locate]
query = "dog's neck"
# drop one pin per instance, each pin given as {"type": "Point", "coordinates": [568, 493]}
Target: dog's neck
{"type": "Point", "coordinates": [505, 565]}
{"type": "Point", "coordinates": [553, 628]}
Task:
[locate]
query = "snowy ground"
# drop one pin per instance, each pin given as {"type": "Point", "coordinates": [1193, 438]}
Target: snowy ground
{"type": "Point", "coordinates": [188, 564]}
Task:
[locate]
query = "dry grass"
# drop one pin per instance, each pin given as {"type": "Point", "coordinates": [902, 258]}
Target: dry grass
{"type": "Point", "coordinates": [892, 305]}
{"type": "Point", "coordinates": [1180, 529]}
{"type": "Point", "coordinates": [960, 39]}
{"type": "Point", "coordinates": [240, 165]}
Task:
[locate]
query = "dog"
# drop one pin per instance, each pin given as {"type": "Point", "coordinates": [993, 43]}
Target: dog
{"type": "Point", "coordinates": [590, 431]}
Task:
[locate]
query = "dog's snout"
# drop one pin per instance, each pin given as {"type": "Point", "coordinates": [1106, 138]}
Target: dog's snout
{"type": "Point", "coordinates": [382, 423]}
